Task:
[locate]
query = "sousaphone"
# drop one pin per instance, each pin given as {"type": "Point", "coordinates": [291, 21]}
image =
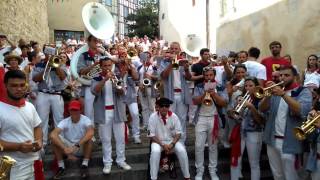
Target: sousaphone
{"type": "Point", "coordinates": [99, 22]}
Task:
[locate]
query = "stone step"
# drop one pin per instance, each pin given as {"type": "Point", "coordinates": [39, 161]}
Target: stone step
{"type": "Point", "coordinates": [139, 172]}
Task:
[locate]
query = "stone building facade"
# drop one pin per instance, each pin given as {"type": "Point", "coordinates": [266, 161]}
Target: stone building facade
{"type": "Point", "coordinates": [26, 19]}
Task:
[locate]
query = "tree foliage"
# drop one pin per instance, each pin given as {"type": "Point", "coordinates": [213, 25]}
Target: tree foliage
{"type": "Point", "coordinates": [145, 21]}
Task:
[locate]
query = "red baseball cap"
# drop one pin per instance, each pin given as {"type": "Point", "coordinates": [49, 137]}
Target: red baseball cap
{"type": "Point", "coordinates": [74, 105]}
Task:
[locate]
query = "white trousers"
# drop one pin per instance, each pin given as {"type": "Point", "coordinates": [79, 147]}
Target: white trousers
{"type": "Point", "coordinates": [45, 103]}
{"type": "Point", "coordinates": [180, 152]}
{"type": "Point", "coordinates": [253, 143]}
{"type": "Point", "coordinates": [192, 108]}
{"type": "Point", "coordinates": [203, 130]}
{"type": "Point", "coordinates": [22, 172]}
{"type": "Point", "coordinates": [181, 110]}
{"type": "Point", "coordinates": [147, 105]}
{"type": "Point", "coordinates": [135, 124]}
{"type": "Point", "coordinates": [88, 103]}
{"type": "Point", "coordinates": [105, 133]}
{"type": "Point", "coordinates": [281, 164]}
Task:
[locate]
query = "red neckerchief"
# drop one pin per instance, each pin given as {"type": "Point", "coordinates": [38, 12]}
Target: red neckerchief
{"type": "Point", "coordinates": [91, 53]}
{"type": "Point", "coordinates": [235, 141]}
{"type": "Point", "coordinates": [292, 86]}
{"type": "Point", "coordinates": [164, 119]}
{"type": "Point", "coordinates": [147, 64]}
{"type": "Point", "coordinates": [19, 103]}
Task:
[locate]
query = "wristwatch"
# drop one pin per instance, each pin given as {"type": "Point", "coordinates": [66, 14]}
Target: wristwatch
{"type": "Point", "coordinates": [173, 144]}
{"type": "Point", "coordinates": [77, 145]}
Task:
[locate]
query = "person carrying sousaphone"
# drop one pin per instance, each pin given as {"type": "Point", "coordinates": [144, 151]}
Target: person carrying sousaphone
{"type": "Point", "coordinates": [284, 110]}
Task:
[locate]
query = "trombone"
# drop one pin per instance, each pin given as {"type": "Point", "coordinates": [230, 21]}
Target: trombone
{"type": "Point", "coordinates": [260, 92]}
{"type": "Point", "coordinates": [306, 128]}
{"type": "Point", "coordinates": [239, 109]}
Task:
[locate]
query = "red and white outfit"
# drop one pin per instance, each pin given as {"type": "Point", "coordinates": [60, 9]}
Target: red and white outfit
{"type": "Point", "coordinates": [272, 64]}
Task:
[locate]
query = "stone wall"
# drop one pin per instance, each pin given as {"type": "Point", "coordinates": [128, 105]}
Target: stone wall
{"type": "Point", "coordinates": [26, 19]}
{"type": "Point", "coordinates": [294, 23]}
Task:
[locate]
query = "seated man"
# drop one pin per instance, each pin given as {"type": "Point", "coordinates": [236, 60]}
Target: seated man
{"type": "Point", "coordinates": [164, 129]}
{"type": "Point", "coordinates": [72, 137]}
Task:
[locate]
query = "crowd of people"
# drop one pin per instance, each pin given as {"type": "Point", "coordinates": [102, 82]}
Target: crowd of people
{"type": "Point", "coordinates": [239, 100]}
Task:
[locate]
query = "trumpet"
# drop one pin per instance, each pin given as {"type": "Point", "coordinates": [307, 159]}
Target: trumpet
{"type": "Point", "coordinates": [207, 100]}
{"type": "Point", "coordinates": [157, 85]}
{"type": "Point", "coordinates": [146, 82]}
{"type": "Point", "coordinates": [238, 110]}
{"type": "Point", "coordinates": [306, 128]}
{"type": "Point", "coordinates": [260, 92]}
{"type": "Point", "coordinates": [118, 84]}
{"type": "Point", "coordinates": [175, 63]}
{"type": "Point", "coordinates": [53, 62]}
{"type": "Point", "coordinates": [6, 163]}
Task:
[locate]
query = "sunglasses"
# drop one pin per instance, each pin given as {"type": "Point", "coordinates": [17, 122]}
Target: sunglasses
{"type": "Point", "coordinates": [208, 68]}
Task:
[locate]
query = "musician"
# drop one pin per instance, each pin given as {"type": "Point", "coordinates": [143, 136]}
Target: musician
{"type": "Point", "coordinates": [87, 61]}
{"type": "Point", "coordinates": [147, 94]}
{"type": "Point", "coordinates": [207, 122]}
{"type": "Point", "coordinates": [284, 110]}
{"type": "Point", "coordinates": [175, 86]}
{"type": "Point", "coordinates": [50, 84]}
{"type": "Point", "coordinates": [73, 137]}
{"type": "Point", "coordinates": [234, 89]}
{"type": "Point", "coordinates": [33, 59]}
{"type": "Point", "coordinates": [20, 127]}
{"type": "Point", "coordinates": [164, 130]}
{"type": "Point", "coordinates": [275, 61]}
{"type": "Point", "coordinates": [110, 114]}
{"type": "Point", "coordinates": [313, 161]}
{"type": "Point", "coordinates": [130, 75]}
{"type": "Point", "coordinates": [247, 133]}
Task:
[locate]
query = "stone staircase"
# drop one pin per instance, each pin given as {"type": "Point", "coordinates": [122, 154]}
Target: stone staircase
{"type": "Point", "coordinates": [137, 156]}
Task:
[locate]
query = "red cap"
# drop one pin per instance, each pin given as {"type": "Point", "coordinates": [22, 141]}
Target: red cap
{"type": "Point", "coordinates": [74, 105]}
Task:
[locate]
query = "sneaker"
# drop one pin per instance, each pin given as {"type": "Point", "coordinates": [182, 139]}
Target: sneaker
{"type": "Point", "coordinates": [60, 173]}
{"type": "Point", "coordinates": [214, 176]}
{"type": "Point", "coordinates": [84, 171]}
{"type": "Point", "coordinates": [199, 176]}
{"type": "Point", "coordinates": [137, 140]}
{"type": "Point", "coordinates": [124, 166]}
{"type": "Point", "coordinates": [106, 169]}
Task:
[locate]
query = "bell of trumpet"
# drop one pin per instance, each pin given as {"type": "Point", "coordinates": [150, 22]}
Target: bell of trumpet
{"type": "Point", "coordinates": [175, 63]}
{"type": "Point", "coordinates": [53, 62]}
{"type": "Point", "coordinates": [146, 82]}
{"type": "Point", "coordinates": [260, 92]}
{"type": "Point", "coordinates": [237, 111]}
{"type": "Point", "coordinates": [6, 164]}
{"type": "Point", "coordinates": [207, 100]}
{"type": "Point", "coordinates": [157, 85]}
{"type": "Point", "coordinates": [306, 128]}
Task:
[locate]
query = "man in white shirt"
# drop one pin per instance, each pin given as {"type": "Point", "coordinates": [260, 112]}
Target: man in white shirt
{"type": "Point", "coordinates": [5, 49]}
{"type": "Point", "coordinates": [20, 127]}
{"type": "Point", "coordinates": [254, 68]}
{"type": "Point", "coordinates": [165, 130]}
{"type": "Point", "coordinates": [73, 136]}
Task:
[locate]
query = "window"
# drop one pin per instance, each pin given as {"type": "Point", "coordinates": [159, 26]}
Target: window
{"type": "Point", "coordinates": [108, 2]}
{"type": "Point", "coordinates": [60, 35]}
{"type": "Point", "coordinates": [125, 11]}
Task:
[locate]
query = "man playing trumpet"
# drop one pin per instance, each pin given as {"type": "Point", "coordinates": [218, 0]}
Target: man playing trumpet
{"type": "Point", "coordinates": [110, 114]}
{"type": "Point", "coordinates": [207, 121]}
{"type": "Point", "coordinates": [284, 109]}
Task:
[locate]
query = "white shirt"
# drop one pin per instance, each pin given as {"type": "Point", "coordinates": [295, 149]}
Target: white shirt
{"type": "Point", "coordinates": [256, 69]}
{"type": "Point", "coordinates": [74, 132]}
{"type": "Point", "coordinates": [142, 71]}
{"type": "Point", "coordinates": [219, 74]}
{"type": "Point", "coordinates": [311, 79]}
{"type": "Point", "coordinates": [281, 117]}
{"type": "Point", "coordinates": [17, 125]}
{"type": "Point", "coordinates": [176, 79]}
{"type": "Point", "coordinates": [109, 94]}
{"type": "Point", "coordinates": [165, 133]}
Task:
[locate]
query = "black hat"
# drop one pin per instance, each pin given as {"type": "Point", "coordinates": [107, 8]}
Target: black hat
{"type": "Point", "coordinates": [163, 101]}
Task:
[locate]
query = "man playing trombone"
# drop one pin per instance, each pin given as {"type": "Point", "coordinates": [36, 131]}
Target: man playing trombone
{"type": "Point", "coordinates": [284, 110]}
